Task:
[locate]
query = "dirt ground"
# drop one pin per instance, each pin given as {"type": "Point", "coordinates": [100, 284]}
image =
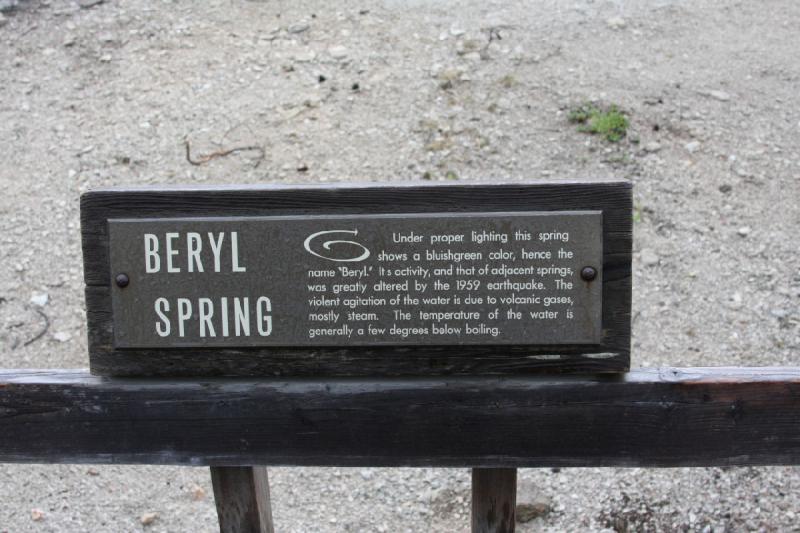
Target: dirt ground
{"type": "Point", "coordinates": [109, 93]}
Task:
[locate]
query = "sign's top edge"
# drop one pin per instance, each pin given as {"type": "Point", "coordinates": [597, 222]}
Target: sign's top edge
{"type": "Point", "coordinates": [186, 187]}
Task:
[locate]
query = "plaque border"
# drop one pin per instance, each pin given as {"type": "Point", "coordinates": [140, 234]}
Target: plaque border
{"type": "Point", "coordinates": [119, 308]}
{"type": "Point", "coordinates": [612, 197]}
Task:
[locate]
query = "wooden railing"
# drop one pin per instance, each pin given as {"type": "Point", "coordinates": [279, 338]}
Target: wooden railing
{"type": "Point", "coordinates": [652, 417]}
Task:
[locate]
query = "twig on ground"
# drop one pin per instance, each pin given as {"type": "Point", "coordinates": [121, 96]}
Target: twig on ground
{"type": "Point", "coordinates": [44, 329]}
{"type": "Point", "coordinates": [27, 31]}
{"type": "Point", "coordinates": [203, 159]}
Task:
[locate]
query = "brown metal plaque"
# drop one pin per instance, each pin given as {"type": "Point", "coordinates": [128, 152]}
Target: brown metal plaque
{"type": "Point", "coordinates": [508, 278]}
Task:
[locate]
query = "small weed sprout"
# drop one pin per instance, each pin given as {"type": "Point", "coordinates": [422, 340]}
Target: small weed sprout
{"type": "Point", "coordinates": [611, 123]}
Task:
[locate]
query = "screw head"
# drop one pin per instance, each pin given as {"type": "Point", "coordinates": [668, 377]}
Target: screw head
{"type": "Point", "coordinates": [122, 280]}
{"type": "Point", "coordinates": [588, 273]}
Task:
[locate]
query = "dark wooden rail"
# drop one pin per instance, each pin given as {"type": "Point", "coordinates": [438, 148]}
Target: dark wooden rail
{"type": "Point", "coordinates": [648, 417]}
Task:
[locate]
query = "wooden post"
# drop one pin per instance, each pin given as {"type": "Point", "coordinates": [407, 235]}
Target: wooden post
{"type": "Point", "coordinates": [242, 497]}
{"type": "Point", "coordinates": [494, 500]}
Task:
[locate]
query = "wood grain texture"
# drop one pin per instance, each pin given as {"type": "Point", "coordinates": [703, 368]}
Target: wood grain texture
{"type": "Point", "coordinates": [649, 417]}
{"type": "Point", "coordinates": [241, 494]}
{"type": "Point", "coordinates": [494, 500]}
{"type": "Point", "coordinates": [613, 198]}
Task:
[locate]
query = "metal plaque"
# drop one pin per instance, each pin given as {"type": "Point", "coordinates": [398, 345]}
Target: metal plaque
{"type": "Point", "coordinates": [507, 278]}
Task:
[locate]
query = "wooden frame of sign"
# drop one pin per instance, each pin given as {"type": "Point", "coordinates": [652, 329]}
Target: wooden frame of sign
{"type": "Point", "coordinates": [164, 299]}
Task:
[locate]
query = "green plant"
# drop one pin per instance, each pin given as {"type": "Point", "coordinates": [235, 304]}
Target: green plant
{"type": "Point", "coordinates": [582, 113]}
{"type": "Point", "coordinates": [611, 123]}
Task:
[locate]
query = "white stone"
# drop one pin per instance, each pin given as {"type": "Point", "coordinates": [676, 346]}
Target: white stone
{"type": "Point", "coordinates": [456, 31]}
{"type": "Point", "coordinates": [148, 518]}
{"type": "Point", "coordinates": [744, 231]}
{"type": "Point", "coordinates": [299, 27]}
{"type": "Point", "coordinates": [692, 146]}
{"type": "Point", "coordinates": [652, 147]}
{"type": "Point", "coordinates": [40, 299]}
{"type": "Point", "coordinates": [616, 23]}
{"type": "Point", "coordinates": [722, 96]}
{"type": "Point", "coordinates": [338, 52]}
{"type": "Point", "coordinates": [305, 56]}
{"type": "Point", "coordinates": [62, 336]}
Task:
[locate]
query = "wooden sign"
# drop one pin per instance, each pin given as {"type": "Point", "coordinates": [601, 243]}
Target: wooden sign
{"type": "Point", "coordinates": [359, 280]}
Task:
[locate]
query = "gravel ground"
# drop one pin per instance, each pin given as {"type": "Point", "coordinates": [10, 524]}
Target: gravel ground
{"type": "Point", "coordinates": [99, 93]}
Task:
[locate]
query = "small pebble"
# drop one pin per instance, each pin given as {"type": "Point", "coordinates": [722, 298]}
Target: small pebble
{"type": "Point", "coordinates": [722, 96]}
{"type": "Point", "coordinates": [299, 27]}
{"type": "Point", "coordinates": [692, 147]}
{"type": "Point", "coordinates": [649, 257]}
{"type": "Point", "coordinates": [652, 147]}
{"type": "Point", "coordinates": [616, 23]}
{"type": "Point", "coordinates": [62, 336]}
{"type": "Point", "coordinates": [198, 493]}
{"type": "Point", "coordinates": [40, 299]}
{"type": "Point", "coordinates": [744, 231]}
{"type": "Point", "coordinates": [148, 518]}
{"type": "Point", "coordinates": [37, 515]}
{"type": "Point", "coordinates": [457, 31]}
{"type": "Point", "coordinates": [337, 52]}
{"type": "Point", "coordinates": [305, 56]}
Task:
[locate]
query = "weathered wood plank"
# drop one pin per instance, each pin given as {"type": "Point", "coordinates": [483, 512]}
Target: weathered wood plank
{"type": "Point", "coordinates": [241, 494]}
{"type": "Point", "coordinates": [494, 500]}
{"type": "Point", "coordinates": [649, 417]}
{"type": "Point", "coordinates": [613, 198]}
